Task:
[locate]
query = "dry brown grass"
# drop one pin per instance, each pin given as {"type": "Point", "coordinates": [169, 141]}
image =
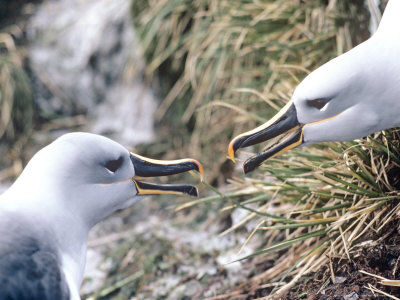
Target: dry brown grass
{"type": "Point", "coordinates": [16, 105]}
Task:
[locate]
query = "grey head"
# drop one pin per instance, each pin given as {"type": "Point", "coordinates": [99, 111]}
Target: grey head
{"type": "Point", "coordinates": [91, 177]}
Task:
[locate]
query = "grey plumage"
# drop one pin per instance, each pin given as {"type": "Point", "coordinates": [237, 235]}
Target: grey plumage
{"type": "Point", "coordinates": [29, 263]}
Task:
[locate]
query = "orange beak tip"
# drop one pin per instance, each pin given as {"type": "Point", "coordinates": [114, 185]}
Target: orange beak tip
{"type": "Point", "coordinates": [231, 152]}
{"type": "Point", "coordinates": [200, 170]}
{"type": "Point", "coordinates": [201, 176]}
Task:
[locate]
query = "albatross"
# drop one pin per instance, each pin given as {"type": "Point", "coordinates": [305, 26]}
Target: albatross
{"type": "Point", "coordinates": [65, 189]}
{"type": "Point", "coordinates": [349, 97]}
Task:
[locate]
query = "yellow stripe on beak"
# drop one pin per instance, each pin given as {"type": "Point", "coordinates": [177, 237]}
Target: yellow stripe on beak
{"type": "Point", "coordinates": [148, 167]}
{"type": "Point", "coordinates": [284, 122]}
{"type": "Point", "coordinates": [291, 142]}
{"type": "Point", "coordinates": [235, 144]}
{"type": "Point", "coordinates": [144, 188]}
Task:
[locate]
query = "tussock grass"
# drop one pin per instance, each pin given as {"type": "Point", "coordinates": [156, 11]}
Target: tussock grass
{"type": "Point", "coordinates": [16, 103]}
{"type": "Point", "coordinates": [207, 57]}
{"type": "Point", "coordinates": [319, 203]}
{"type": "Point", "coordinates": [227, 66]}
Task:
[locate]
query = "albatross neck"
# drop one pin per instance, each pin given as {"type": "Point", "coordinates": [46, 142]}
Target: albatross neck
{"type": "Point", "coordinates": [390, 23]}
{"type": "Point", "coordinates": [47, 212]}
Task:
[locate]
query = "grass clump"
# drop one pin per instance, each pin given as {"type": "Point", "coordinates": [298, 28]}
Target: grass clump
{"type": "Point", "coordinates": [319, 203]}
{"type": "Point", "coordinates": [16, 102]}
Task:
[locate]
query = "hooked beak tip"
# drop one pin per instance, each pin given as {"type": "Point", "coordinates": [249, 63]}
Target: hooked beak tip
{"type": "Point", "coordinates": [200, 169]}
{"type": "Point", "coordinates": [283, 122]}
{"type": "Point", "coordinates": [231, 151]}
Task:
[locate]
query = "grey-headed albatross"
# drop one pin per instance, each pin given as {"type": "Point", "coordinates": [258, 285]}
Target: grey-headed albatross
{"type": "Point", "coordinates": [65, 189]}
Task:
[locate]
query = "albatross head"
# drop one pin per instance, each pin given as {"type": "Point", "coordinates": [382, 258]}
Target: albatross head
{"type": "Point", "coordinates": [92, 176]}
{"type": "Point", "coordinates": [349, 97]}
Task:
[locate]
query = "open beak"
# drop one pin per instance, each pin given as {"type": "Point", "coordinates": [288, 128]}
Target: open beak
{"type": "Point", "coordinates": [284, 122]}
{"type": "Point", "coordinates": [147, 167]}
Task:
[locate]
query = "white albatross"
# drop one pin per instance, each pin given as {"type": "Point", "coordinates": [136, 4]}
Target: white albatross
{"type": "Point", "coordinates": [349, 97]}
{"type": "Point", "coordinates": [65, 189]}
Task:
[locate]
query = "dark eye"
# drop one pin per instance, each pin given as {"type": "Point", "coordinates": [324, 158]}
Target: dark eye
{"type": "Point", "coordinates": [113, 165]}
{"type": "Point", "coordinates": [318, 103]}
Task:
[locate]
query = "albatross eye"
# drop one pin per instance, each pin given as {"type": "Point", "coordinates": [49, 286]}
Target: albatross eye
{"type": "Point", "coordinates": [113, 165]}
{"type": "Point", "coordinates": [318, 103]}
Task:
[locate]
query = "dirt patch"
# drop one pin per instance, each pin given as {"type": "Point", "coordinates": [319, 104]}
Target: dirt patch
{"type": "Point", "coordinates": [380, 258]}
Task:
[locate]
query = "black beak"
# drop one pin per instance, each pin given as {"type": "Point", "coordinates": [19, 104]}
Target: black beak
{"type": "Point", "coordinates": [283, 122]}
{"type": "Point", "coordinates": [254, 162]}
{"type": "Point", "coordinates": [147, 167]}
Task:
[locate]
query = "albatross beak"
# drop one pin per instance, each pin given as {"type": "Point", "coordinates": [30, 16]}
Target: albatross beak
{"type": "Point", "coordinates": [285, 121]}
{"type": "Point", "coordinates": [146, 167]}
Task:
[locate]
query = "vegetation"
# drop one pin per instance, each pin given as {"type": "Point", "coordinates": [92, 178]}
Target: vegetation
{"type": "Point", "coordinates": [16, 103]}
{"type": "Point", "coordinates": [226, 66]}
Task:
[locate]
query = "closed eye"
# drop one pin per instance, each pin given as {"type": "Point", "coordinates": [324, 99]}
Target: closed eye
{"type": "Point", "coordinates": [318, 103]}
{"type": "Point", "coordinates": [113, 165]}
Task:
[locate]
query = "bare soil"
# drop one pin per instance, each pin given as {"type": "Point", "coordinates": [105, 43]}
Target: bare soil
{"type": "Point", "coordinates": [379, 256]}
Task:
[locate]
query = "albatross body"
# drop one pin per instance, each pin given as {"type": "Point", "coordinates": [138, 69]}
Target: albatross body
{"type": "Point", "coordinates": [65, 189]}
{"type": "Point", "coordinates": [351, 96]}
